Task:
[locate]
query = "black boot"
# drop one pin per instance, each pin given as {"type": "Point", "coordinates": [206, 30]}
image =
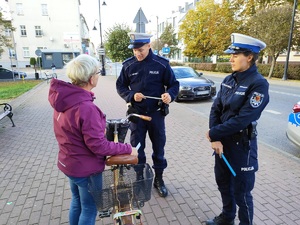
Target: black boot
{"type": "Point", "coordinates": [219, 220]}
{"type": "Point", "coordinates": [160, 185]}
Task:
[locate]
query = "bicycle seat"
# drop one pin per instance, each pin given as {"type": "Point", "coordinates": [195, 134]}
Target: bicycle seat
{"type": "Point", "coordinates": [122, 160]}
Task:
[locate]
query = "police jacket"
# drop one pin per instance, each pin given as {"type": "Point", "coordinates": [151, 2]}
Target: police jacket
{"type": "Point", "coordinates": [241, 100]}
{"type": "Point", "coordinates": [152, 77]}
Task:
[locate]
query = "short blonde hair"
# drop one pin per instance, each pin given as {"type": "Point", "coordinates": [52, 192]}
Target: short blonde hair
{"type": "Point", "coordinates": [81, 68]}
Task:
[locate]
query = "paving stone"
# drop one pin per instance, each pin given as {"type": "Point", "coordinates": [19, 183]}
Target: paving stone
{"type": "Point", "coordinates": [34, 191]}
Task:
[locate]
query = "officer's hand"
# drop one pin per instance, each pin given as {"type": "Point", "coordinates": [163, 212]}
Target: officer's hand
{"type": "Point", "coordinates": [217, 147]}
{"type": "Point", "coordinates": [138, 97]}
{"type": "Point", "coordinates": [134, 151]}
{"type": "Point", "coordinates": [166, 98]}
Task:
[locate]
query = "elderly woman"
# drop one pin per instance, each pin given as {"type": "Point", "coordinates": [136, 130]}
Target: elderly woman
{"type": "Point", "coordinates": [242, 98]}
{"type": "Point", "coordinates": [79, 127]}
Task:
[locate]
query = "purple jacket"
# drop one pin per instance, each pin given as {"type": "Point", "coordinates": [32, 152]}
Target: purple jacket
{"type": "Point", "coordinates": [79, 127]}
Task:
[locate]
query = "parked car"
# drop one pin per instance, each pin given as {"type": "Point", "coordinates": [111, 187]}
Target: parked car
{"type": "Point", "coordinates": [193, 85]}
{"type": "Point", "coordinates": [10, 74]}
{"type": "Point", "coordinates": [293, 128]}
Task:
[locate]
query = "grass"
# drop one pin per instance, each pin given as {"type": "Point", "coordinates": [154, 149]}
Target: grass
{"type": "Point", "coordinates": [13, 89]}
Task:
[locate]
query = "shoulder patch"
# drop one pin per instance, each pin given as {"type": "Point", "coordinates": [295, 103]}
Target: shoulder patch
{"type": "Point", "coordinates": [256, 99]}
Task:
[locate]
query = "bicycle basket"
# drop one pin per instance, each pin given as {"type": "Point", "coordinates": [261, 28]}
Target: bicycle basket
{"type": "Point", "coordinates": [122, 128]}
{"type": "Point", "coordinates": [134, 186]}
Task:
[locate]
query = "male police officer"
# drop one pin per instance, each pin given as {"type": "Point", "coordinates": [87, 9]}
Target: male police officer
{"type": "Point", "coordinates": [242, 97]}
{"type": "Point", "coordinates": [144, 76]}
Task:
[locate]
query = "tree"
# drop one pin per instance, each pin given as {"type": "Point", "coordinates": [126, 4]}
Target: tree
{"type": "Point", "coordinates": [206, 30]}
{"type": "Point", "coordinates": [272, 25]}
{"type": "Point", "coordinates": [117, 41]}
{"type": "Point", "coordinates": [5, 41]}
{"type": "Point", "coordinates": [169, 37]}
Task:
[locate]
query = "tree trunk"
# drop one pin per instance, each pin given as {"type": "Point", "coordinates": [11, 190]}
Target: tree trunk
{"type": "Point", "coordinates": [272, 67]}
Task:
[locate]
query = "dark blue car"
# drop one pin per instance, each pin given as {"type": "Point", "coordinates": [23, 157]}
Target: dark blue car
{"type": "Point", "coordinates": [11, 74]}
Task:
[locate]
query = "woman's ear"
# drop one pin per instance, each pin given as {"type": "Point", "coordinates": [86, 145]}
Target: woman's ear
{"type": "Point", "coordinates": [91, 80]}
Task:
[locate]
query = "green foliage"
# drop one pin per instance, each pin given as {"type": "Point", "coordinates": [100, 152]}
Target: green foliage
{"type": "Point", "coordinates": [4, 40]}
{"type": "Point", "coordinates": [32, 61]}
{"type": "Point", "coordinates": [203, 66]}
{"type": "Point", "coordinates": [272, 25]}
{"type": "Point", "coordinates": [293, 69]}
{"type": "Point", "coordinates": [206, 30]}
{"type": "Point", "coordinates": [169, 37]}
{"type": "Point", "coordinates": [117, 41]}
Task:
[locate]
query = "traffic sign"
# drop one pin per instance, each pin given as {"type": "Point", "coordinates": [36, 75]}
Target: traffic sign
{"type": "Point", "coordinates": [38, 52]}
{"type": "Point", "coordinates": [166, 50]}
{"type": "Point", "coordinates": [101, 51]}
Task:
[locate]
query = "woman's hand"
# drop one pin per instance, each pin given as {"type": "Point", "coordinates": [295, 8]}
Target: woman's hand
{"type": "Point", "coordinates": [217, 147]}
{"type": "Point", "coordinates": [134, 151]}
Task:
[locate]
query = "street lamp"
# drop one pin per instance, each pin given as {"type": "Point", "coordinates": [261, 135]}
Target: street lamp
{"type": "Point", "coordinates": [285, 75]}
{"type": "Point", "coordinates": [101, 51]}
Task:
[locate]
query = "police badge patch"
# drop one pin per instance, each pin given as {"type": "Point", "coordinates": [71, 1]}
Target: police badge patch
{"type": "Point", "coordinates": [256, 99]}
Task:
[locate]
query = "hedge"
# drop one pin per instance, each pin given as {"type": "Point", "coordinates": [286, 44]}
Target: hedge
{"type": "Point", "coordinates": [293, 69]}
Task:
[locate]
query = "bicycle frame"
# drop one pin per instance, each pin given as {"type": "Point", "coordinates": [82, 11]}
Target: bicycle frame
{"type": "Point", "coordinates": [124, 212]}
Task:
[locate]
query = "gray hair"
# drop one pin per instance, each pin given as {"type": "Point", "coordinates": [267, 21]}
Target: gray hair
{"type": "Point", "coordinates": [81, 68]}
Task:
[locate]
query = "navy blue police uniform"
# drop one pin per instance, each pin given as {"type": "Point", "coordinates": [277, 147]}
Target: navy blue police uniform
{"type": "Point", "coordinates": [152, 76]}
{"type": "Point", "coordinates": [237, 107]}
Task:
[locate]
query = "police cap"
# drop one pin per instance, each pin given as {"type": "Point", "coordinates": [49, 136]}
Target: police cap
{"type": "Point", "coordinates": [243, 43]}
{"type": "Point", "coordinates": [137, 40]}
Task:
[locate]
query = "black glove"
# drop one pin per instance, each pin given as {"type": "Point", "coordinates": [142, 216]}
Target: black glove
{"type": "Point", "coordinates": [132, 110]}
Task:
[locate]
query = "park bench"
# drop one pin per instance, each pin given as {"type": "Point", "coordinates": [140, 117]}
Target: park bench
{"type": "Point", "coordinates": [7, 112]}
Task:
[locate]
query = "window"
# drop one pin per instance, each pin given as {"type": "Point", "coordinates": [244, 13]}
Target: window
{"type": "Point", "coordinates": [49, 57]}
{"type": "Point", "coordinates": [23, 30]}
{"type": "Point", "coordinates": [8, 32]}
{"type": "Point", "coordinates": [19, 9]}
{"type": "Point", "coordinates": [44, 10]}
{"type": "Point", "coordinates": [12, 53]}
{"type": "Point", "coordinates": [38, 31]}
{"type": "Point", "coordinates": [26, 52]}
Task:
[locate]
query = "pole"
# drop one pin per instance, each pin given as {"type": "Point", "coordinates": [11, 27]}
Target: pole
{"type": "Point", "coordinates": [157, 34]}
{"type": "Point", "coordinates": [285, 75]}
{"type": "Point", "coordinates": [103, 73]}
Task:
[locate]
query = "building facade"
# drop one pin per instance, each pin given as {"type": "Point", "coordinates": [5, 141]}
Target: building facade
{"type": "Point", "coordinates": [42, 29]}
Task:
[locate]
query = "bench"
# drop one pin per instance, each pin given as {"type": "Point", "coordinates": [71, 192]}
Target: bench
{"type": "Point", "coordinates": [7, 112]}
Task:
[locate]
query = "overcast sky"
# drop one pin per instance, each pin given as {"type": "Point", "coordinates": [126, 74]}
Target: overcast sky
{"type": "Point", "coordinates": [124, 11]}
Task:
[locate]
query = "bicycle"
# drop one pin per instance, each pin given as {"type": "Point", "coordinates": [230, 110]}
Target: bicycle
{"type": "Point", "coordinates": [126, 186]}
{"type": "Point", "coordinates": [49, 76]}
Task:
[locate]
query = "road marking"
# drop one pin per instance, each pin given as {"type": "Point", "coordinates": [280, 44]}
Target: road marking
{"type": "Point", "coordinates": [284, 93]}
{"type": "Point", "coordinates": [272, 111]}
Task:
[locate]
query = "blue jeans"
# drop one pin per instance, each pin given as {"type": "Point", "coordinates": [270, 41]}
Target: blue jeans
{"type": "Point", "coordinates": [83, 209]}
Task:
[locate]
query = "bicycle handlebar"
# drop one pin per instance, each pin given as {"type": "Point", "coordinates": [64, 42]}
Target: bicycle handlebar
{"type": "Point", "coordinates": [147, 118]}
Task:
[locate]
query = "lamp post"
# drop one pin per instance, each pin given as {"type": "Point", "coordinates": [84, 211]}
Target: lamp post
{"type": "Point", "coordinates": [285, 75]}
{"type": "Point", "coordinates": [101, 51]}
{"type": "Point", "coordinates": [157, 35]}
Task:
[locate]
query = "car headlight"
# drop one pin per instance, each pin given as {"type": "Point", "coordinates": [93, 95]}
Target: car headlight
{"type": "Point", "coordinates": [186, 88]}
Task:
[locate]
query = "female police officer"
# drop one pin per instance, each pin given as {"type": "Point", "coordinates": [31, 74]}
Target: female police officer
{"type": "Point", "coordinates": [242, 97]}
{"type": "Point", "coordinates": [144, 79]}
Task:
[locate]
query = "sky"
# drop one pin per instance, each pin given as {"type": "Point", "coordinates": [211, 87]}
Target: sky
{"type": "Point", "coordinates": [124, 11]}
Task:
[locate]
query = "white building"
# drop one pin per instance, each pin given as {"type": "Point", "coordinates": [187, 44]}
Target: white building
{"type": "Point", "coordinates": [58, 33]}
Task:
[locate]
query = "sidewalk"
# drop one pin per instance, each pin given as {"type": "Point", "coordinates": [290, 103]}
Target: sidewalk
{"type": "Point", "coordinates": [34, 191]}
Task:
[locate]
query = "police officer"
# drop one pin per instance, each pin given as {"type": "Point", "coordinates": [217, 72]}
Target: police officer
{"type": "Point", "coordinates": [144, 79]}
{"type": "Point", "coordinates": [242, 97]}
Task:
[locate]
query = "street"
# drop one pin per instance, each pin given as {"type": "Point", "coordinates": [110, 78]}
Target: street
{"type": "Point", "coordinates": [273, 121]}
